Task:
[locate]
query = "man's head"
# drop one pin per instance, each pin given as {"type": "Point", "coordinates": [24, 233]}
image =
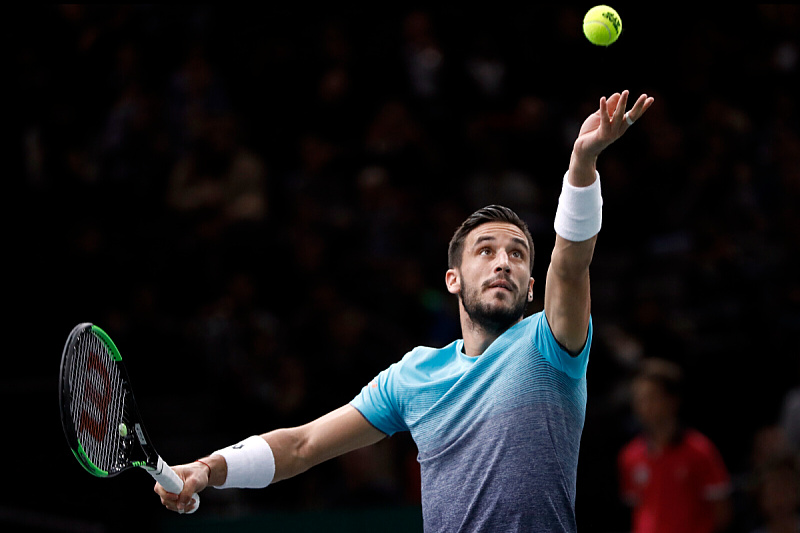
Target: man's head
{"type": "Point", "coordinates": [490, 258]}
{"type": "Point", "coordinates": [657, 391]}
{"type": "Point", "coordinates": [490, 213]}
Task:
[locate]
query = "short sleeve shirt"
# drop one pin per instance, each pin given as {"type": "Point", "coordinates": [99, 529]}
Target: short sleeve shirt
{"type": "Point", "coordinates": [498, 435]}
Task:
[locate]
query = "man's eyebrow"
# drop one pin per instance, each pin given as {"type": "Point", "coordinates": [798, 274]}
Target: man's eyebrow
{"type": "Point", "coordinates": [521, 242]}
{"type": "Point", "coordinates": [484, 238]}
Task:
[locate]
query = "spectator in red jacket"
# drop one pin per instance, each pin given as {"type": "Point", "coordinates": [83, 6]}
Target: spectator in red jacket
{"type": "Point", "coordinates": [673, 476]}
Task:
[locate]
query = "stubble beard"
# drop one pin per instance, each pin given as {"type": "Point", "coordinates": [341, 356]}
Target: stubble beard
{"type": "Point", "coordinates": [493, 319]}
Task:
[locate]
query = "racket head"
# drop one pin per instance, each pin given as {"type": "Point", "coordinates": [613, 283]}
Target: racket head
{"type": "Point", "coordinates": [98, 411]}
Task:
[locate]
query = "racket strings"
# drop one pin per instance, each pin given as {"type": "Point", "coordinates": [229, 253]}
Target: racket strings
{"type": "Point", "coordinates": [97, 403]}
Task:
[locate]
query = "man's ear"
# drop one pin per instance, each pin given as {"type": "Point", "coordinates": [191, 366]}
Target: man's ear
{"type": "Point", "coordinates": [453, 281]}
{"type": "Point", "coordinates": [530, 290]}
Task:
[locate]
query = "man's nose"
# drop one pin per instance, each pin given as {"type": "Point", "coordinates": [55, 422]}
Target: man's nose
{"type": "Point", "coordinates": [501, 263]}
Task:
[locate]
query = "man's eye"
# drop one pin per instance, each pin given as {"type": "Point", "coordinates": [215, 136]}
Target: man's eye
{"type": "Point", "coordinates": [485, 251]}
{"type": "Point", "coordinates": [518, 255]}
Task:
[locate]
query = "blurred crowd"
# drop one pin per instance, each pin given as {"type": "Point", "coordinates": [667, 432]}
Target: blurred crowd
{"type": "Point", "coordinates": [259, 202]}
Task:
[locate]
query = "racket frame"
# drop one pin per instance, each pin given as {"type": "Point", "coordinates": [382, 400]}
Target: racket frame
{"type": "Point", "coordinates": [141, 453]}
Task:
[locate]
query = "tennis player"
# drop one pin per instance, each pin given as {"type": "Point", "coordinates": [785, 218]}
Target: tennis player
{"type": "Point", "coordinates": [497, 416]}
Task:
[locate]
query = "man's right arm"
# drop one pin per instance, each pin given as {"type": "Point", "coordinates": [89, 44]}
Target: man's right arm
{"type": "Point", "coordinates": [295, 450]}
{"type": "Point", "coordinates": [338, 432]}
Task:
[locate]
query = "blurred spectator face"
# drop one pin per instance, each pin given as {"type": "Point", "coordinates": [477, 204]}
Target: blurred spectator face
{"type": "Point", "coordinates": [652, 404]}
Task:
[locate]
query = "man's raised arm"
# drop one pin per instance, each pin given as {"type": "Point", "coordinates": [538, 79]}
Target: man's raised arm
{"type": "Point", "coordinates": [566, 301]}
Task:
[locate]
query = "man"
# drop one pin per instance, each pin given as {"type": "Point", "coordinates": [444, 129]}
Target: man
{"type": "Point", "coordinates": [497, 416]}
{"type": "Point", "coordinates": [672, 476]}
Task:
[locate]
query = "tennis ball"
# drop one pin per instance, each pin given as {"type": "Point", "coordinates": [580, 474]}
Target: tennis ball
{"type": "Point", "coordinates": [123, 430]}
{"type": "Point", "coordinates": [602, 25]}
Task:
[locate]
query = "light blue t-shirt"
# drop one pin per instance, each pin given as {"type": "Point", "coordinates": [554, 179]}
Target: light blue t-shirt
{"type": "Point", "coordinates": [498, 434]}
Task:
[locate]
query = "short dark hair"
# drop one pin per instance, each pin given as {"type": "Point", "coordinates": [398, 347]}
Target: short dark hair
{"type": "Point", "coordinates": [666, 373]}
{"type": "Point", "coordinates": [490, 213]}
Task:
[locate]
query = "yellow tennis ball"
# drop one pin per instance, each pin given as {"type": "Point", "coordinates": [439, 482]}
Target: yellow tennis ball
{"type": "Point", "coordinates": [602, 25]}
{"type": "Point", "coordinates": [123, 430]}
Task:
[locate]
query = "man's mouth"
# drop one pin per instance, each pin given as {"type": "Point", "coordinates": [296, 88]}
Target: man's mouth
{"type": "Point", "coordinates": [501, 284]}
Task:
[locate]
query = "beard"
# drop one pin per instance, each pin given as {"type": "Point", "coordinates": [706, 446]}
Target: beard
{"type": "Point", "coordinates": [495, 319]}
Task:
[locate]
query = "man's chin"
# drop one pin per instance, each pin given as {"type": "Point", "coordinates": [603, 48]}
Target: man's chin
{"type": "Point", "coordinates": [496, 316]}
{"type": "Point", "coordinates": [503, 301]}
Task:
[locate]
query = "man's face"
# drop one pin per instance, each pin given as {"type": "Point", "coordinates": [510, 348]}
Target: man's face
{"type": "Point", "coordinates": [494, 281]}
{"type": "Point", "coordinates": [652, 404]}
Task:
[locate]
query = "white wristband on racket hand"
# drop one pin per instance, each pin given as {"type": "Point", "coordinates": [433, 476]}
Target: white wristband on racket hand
{"type": "Point", "coordinates": [251, 464]}
{"type": "Point", "coordinates": [580, 210]}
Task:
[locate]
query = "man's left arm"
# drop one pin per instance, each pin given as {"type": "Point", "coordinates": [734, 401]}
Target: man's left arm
{"type": "Point", "coordinates": [567, 302]}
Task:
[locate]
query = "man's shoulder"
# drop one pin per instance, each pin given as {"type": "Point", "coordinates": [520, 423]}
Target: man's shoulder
{"type": "Point", "coordinates": [428, 352]}
{"type": "Point", "coordinates": [524, 326]}
{"type": "Point", "coordinates": [535, 317]}
{"type": "Point", "coordinates": [426, 358]}
{"type": "Point", "coordinates": [422, 351]}
{"type": "Point", "coordinates": [695, 441]}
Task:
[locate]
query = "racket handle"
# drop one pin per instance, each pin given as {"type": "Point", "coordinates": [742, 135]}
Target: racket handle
{"type": "Point", "coordinates": [168, 479]}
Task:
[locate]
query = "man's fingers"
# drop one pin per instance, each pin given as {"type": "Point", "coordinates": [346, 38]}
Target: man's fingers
{"type": "Point", "coordinates": [612, 109]}
{"type": "Point", "coordinates": [622, 102]}
{"type": "Point", "coordinates": [184, 505]}
{"type": "Point", "coordinates": [186, 496]}
{"type": "Point", "coordinates": [161, 491]}
{"type": "Point", "coordinates": [613, 105]}
{"type": "Point", "coordinates": [174, 504]}
{"type": "Point", "coordinates": [648, 101]}
{"type": "Point", "coordinates": [180, 503]}
{"type": "Point", "coordinates": [638, 109]}
{"type": "Point", "coordinates": [170, 501]}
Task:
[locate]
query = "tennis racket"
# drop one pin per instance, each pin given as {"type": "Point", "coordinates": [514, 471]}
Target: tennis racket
{"type": "Point", "coordinates": [99, 413]}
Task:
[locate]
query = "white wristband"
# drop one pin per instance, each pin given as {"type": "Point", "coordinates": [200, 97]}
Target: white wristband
{"type": "Point", "coordinates": [251, 464]}
{"type": "Point", "coordinates": [580, 211]}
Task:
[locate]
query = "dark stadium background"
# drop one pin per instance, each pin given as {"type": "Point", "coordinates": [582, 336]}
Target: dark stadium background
{"type": "Point", "coordinates": [368, 135]}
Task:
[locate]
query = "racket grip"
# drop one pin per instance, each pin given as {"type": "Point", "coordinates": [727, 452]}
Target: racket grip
{"type": "Point", "coordinates": [168, 479]}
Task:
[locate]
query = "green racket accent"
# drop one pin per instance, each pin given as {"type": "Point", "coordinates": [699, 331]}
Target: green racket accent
{"type": "Point", "coordinates": [84, 460]}
{"type": "Point", "coordinates": [108, 342]}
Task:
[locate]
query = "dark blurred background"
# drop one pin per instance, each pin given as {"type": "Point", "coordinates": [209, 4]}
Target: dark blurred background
{"type": "Point", "coordinates": [256, 202]}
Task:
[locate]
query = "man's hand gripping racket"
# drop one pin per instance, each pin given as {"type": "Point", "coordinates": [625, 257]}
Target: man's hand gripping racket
{"type": "Point", "coordinates": [99, 413]}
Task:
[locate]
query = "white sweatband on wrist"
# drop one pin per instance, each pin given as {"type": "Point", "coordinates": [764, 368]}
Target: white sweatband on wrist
{"type": "Point", "coordinates": [580, 211]}
{"type": "Point", "coordinates": [251, 464]}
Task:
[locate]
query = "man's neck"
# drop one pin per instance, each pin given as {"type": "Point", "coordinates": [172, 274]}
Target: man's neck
{"type": "Point", "coordinates": [476, 337]}
{"type": "Point", "coordinates": [663, 435]}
